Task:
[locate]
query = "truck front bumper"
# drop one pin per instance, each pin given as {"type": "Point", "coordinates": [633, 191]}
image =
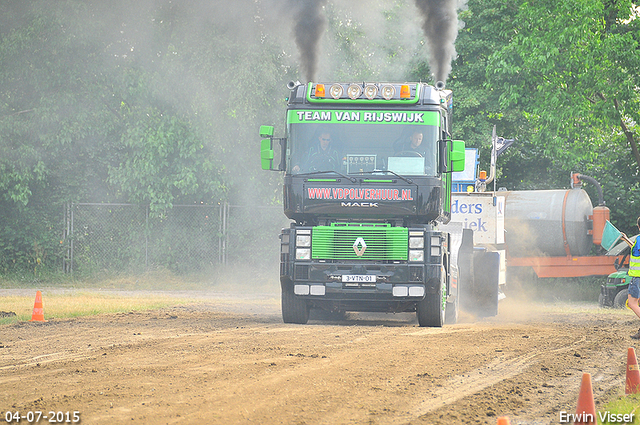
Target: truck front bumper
{"type": "Point", "coordinates": [364, 287]}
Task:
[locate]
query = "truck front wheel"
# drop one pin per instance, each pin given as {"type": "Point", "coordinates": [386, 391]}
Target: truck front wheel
{"type": "Point", "coordinates": [294, 309]}
{"type": "Point", "coordinates": [431, 309]}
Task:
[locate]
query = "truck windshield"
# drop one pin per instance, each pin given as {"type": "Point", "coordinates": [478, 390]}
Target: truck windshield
{"type": "Point", "coordinates": [359, 147]}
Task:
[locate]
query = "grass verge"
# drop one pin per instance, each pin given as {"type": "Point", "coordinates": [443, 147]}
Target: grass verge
{"type": "Point", "coordinates": [229, 278]}
{"type": "Point", "coordinates": [616, 409]}
{"type": "Point", "coordinates": [76, 303]}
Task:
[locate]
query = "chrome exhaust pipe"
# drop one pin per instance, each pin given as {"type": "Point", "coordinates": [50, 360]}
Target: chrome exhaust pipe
{"type": "Point", "coordinates": [293, 84]}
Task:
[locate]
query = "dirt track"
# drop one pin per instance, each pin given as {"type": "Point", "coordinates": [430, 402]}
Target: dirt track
{"type": "Point", "coordinates": [231, 360]}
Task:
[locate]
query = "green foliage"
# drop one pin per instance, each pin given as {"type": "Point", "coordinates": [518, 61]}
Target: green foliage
{"type": "Point", "coordinates": [156, 106]}
{"type": "Point", "coordinates": [30, 240]}
{"type": "Point", "coordinates": [164, 163]}
{"type": "Point", "coordinates": [622, 405]}
{"type": "Point", "coordinates": [561, 77]}
{"type": "Point", "coordinates": [159, 102]}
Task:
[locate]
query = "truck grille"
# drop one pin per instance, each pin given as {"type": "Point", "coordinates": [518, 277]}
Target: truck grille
{"type": "Point", "coordinates": [336, 242]}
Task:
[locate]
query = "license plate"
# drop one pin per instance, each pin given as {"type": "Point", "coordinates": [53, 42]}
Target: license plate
{"type": "Point", "coordinates": [358, 278]}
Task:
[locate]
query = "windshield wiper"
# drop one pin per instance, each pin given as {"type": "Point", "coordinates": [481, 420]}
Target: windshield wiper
{"type": "Point", "coordinates": [387, 171]}
{"type": "Point", "coordinates": [351, 179]}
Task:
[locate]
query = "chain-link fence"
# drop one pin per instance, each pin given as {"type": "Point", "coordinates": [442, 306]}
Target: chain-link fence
{"type": "Point", "coordinates": [31, 239]}
{"type": "Point", "coordinates": [104, 238]}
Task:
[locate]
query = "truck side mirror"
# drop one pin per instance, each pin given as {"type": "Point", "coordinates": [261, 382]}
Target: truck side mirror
{"type": "Point", "coordinates": [452, 156]}
{"type": "Point", "coordinates": [457, 155]}
{"type": "Point", "coordinates": [266, 131]}
{"type": "Point", "coordinates": [266, 154]}
{"type": "Point", "coordinates": [266, 148]}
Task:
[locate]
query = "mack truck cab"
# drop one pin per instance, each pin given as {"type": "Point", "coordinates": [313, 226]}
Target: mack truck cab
{"type": "Point", "coordinates": [367, 181]}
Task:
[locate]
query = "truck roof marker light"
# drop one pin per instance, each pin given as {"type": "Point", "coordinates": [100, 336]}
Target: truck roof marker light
{"type": "Point", "coordinates": [388, 91]}
{"type": "Point", "coordinates": [405, 93]}
{"type": "Point", "coordinates": [354, 91]}
{"type": "Point", "coordinates": [370, 91]}
{"type": "Point", "coordinates": [336, 91]}
{"type": "Point", "coordinates": [320, 90]}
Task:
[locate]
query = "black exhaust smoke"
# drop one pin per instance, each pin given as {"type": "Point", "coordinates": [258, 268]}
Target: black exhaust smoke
{"type": "Point", "coordinates": [440, 26]}
{"type": "Point", "coordinates": [309, 25]}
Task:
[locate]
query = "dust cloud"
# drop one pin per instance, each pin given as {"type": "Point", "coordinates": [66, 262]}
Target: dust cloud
{"type": "Point", "coordinates": [197, 61]}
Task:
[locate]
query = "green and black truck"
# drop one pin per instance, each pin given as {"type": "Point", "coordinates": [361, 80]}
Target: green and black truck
{"type": "Point", "coordinates": [366, 198]}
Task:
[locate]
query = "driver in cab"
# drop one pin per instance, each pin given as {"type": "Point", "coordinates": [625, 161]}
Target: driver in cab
{"type": "Point", "coordinates": [321, 156]}
{"type": "Point", "coordinates": [412, 144]}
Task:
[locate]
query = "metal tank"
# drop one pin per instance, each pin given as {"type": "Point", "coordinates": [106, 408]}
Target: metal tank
{"type": "Point", "coordinates": [548, 222]}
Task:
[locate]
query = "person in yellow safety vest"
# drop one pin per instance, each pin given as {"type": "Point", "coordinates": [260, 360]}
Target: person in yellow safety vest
{"type": "Point", "coordinates": [634, 273]}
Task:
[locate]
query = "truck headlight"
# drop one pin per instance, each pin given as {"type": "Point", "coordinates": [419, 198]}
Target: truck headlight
{"type": "Point", "coordinates": [370, 91]}
{"type": "Point", "coordinates": [388, 91]}
{"type": "Point", "coordinates": [416, 255]}
{"type": "Point", "coordinates": [435, 251]}
{"type": "Point", "coordinates": [416, 291]}
{"type": "Point", "coordinates": [354, 91]}
{"type": "Point", "coordinates": [336, 91]}
{"type": "Point", "coordinates": [400, 291]}
{"type": "Point", "coordinates": [303, 240]}
{"type": "Point", "coordinates": [416, 243]}
{"type": "Point", "coordinates": [303, 254]}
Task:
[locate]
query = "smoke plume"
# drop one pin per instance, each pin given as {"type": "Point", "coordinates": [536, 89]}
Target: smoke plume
{"type": "Point", "coordinates": [440, 26]}
{"type": "Point", "coordinates": [309, 26]}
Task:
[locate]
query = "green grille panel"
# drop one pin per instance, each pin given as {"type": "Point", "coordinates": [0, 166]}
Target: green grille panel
{"type": "Point", "coordinates": [383, 242]}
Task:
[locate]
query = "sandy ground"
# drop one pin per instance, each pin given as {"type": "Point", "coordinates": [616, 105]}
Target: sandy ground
{"type": "Point", "coordinates": [230, 359]}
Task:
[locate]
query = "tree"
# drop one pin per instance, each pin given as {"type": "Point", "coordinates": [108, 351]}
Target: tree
{"type": "Point", "coordinates": [561, 77]}
{"type": "Point", "coordinates": [100, 105]}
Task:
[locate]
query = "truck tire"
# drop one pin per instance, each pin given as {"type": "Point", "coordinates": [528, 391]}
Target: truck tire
{"type": "Point", "coordinates": [431, 310]}
{"type": "Point", "coordinates": [294, 309]}
{"type": "Point", "coordinates": [620, 301]}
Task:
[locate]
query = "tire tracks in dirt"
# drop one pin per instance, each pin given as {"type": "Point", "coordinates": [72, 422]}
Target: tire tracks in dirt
{"type": "Point", "coordinates": [498, 370]}
{"type": "Point", "coordinates": [196, 365]}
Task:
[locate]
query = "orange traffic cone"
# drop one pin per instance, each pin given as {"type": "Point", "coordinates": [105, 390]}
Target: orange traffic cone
{"type": "Point", "coordinates": [38, 311]}
{"type": "Point", "coordinates": [633, 374]}
{"type": "Point", "coordinates": [503, 420]}
{"type": "Point", "coordinates": [586, 409]}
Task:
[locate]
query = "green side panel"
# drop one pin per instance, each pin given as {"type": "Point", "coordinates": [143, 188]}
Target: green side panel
{"type": "Point", "coordinates": [383, 242]}
{"type": "Point", "coordinates": [447, 192]}
{"type": "Point", "coordinates": [457, 155]}
{"type": "Point", "coordinates": [266, 154]}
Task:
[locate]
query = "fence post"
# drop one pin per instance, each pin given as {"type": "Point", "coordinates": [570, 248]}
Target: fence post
{"type": "Point", "coordinates": [65, 237]}
{"type": "Point", "coordinates": [220, 234]}
{"type": "Point", "coordinates": [146, 239]}
{"type": "Point", "coordinates": [223, 238]}
{"type": "Point", "coordinates": [226, 233]}
{"type": "Point", "coordinates": [71, 244]}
